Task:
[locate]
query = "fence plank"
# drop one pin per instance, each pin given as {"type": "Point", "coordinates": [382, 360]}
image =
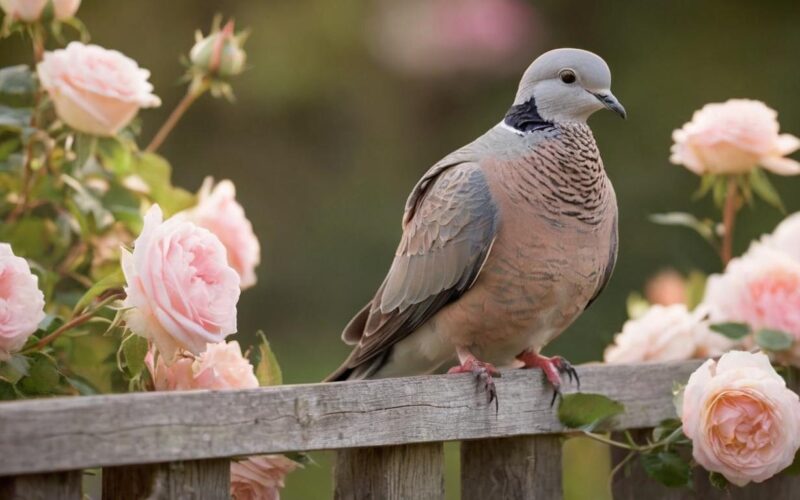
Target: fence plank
{"type": "Point", "coordinates": [413, 472]}
{"type": "Point", "coordinates": [53, 486]}
{"type": "Point", "coordinates": [190, 480]}
{"type": "Point", "coordinates": [76, 433]}
{"type": "Point", "coordinates": [523, 467]}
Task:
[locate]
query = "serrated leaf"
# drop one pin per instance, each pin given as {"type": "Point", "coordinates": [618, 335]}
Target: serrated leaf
{"type": "Point", "coordinates": [764, 189]}
{"type": "Point", "coordinates": [704, 228]}
{"type": "Point", "coordinates": [13, 369]}
{"type": "Point", "coordinates": [43, 377]}
{"type": "Point", "coordinates": [586, 411]}
{"type": "Point", "coordinates": [116, 279]}
{"type": "Point", "coordinates": [773, 340]}
{"type": "Point", "coordinates": [268, 371]}
{"type": "Point", "coordinates": [134, 349]}
{"type": "Point", "coordinates": [733, 331]}
{"type": "Point", "coordinates": [668, 468]}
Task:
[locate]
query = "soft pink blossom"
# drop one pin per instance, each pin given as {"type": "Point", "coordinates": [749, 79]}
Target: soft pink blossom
{"type": "Point", "coordinates": [260, 477]}
{"type": "Point", "coordinates": [218, 211]}
{"type": "Point", "coordinates": [733, 138]}
{"type": "Point", "coordinates": [221, 366]}
{"type": "Point", "coordinates": [94, 90]}
{"type": "Point", "coordinates": [666, 288]}
{"type": "Point", "coordinates": [180, 288]}
{"type": "Point", "coordinates": [786, 237]}
{"type": "Point", "coordinates": [65, 9]}
{"type": "Point", "coordinates": [743, 421]}
{"type": "Point", "coordinates": [23, 10]}
{"type": "Point", "coordinates": [760, 288]}
{"type": "Point", "coordinates": [21, 302]}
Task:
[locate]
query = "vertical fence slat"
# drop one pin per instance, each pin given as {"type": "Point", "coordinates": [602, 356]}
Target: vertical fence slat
{"type": "Point", "coordinates": [189, 480]}
{"type": "Point", "coordinates": [414, 471]}
{"type": "Point", "coordinates": [57, 485]}
{"type": "Point", "coordinates": [524, 467]}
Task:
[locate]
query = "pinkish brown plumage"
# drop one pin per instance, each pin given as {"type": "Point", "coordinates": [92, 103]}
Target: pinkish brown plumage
{"type": "Point", "coordinates": [505, 242]}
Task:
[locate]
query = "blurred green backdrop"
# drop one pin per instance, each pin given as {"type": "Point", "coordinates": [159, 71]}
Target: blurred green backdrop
{"type": "Point", "coordinates": [344, 107]}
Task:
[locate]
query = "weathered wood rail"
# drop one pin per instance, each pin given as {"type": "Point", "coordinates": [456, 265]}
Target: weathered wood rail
{"type": "Point", "coordinates": [388, 434]}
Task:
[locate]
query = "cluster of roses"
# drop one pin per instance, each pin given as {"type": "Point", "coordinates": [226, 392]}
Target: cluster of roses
{"type": "Point", "coordinates": [743, 421]}
{"type": "Point", "coordinates": [182, 280]}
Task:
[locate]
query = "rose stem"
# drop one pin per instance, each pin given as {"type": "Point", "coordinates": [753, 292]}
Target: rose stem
{"type": "Point", "coordinates": [191, 95]}
{"type": "Point", "coordinates": [78, 320]}
{"type": "Point", "coordinates": [729, 220]}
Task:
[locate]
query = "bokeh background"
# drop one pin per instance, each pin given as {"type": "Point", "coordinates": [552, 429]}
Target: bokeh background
{"type": "Point", "coordinates": [347, 102]}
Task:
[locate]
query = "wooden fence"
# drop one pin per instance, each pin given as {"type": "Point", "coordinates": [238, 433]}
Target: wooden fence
{"type": "Point", "coordinates": [388, 435]}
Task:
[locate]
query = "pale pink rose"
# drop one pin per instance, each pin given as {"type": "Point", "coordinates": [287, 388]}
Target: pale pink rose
{"type": "Point", "coordinates": [21, 302]}
{"type": "Point", "coordinates": [23, 10]}
{"type": "Point", "coordinates": [662, 333]}
{"type": "Point", "coordinates": [96, 91]}
{"type": "Point", "coordinates": [218, 211]}
{"type": "Point", "coordinates": [786, 237]}
{"type": "Point", "coordinates": [260, 477]}
{"type": "Point", "coordinates": [760, 288]}
{"type": "Point", "coordinates": [742, 419]}
{"type": "Point", "coordinates": [65, 9]}
{"type": "Point", "coordinates": [221, 366]}
{"type": "Point", "coordinates": [666, 288]}
{"type": "Point", "coordinates": [180, 288]}
{"type": "Point", "coordinates": [733, 138]}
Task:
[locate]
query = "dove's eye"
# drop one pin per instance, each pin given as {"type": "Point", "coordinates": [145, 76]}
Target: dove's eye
{"type": "Point", "coordinates": [567, 76]}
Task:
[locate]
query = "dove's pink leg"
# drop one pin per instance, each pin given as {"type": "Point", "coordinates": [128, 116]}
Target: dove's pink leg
{"type": "Point", "coordinates": [552, 367]}
{"type": "Point", "coordinates": [484, 372]}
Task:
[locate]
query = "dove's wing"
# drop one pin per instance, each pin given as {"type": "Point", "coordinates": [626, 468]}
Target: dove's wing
{"type": "Point", "coordinates": [448, 228]}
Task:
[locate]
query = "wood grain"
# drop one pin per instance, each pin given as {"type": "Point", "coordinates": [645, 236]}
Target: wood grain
{"type": "Point", "coordinates": [53, 486]}
{"type": "Point", "coordinates": [189, 480]}
{"type": "Point", "coordinates": [405, 472]}
{"type": "Point", "coordinates": [521, 467]}
{"type": "Point", "coordinates": [75, 433]}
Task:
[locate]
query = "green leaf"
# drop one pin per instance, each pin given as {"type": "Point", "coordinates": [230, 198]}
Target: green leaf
{"type": "Point", "coordinates": [773, 340]}
{"type": "Point", "coordinates": [83, 386]}
{"type": "Point", "coordinates": [17, 86]}
{"type": "Point", "coordinates": [695, 288]}
{"type": "Point", "coordinates": [636, 305]}
{"type": "Point", "coordinates": [665, 428]}
{"type": "Point", "coordinates": [668, 468]}
{"type": "Point", "coordinates": [14, 119]}
{"type": "Point", "coordinates": [156, 172]}
{"type": "Point", "coordinates": [705, 228]}
{"type": "Point", "coordinates": [114, 280]}
{"type": "Point", "coordinates": [7, 391]}
{"type": "Point", "coordinates": [29, 237]}
{"type": "Point", "coordinates": [586, 411]}
{"type": "Point", "coordinates": [134, 348]}
{"type": "Point", "coordinates": [707, 182]}
{"type": "Point", "coordinates": [733, 331]}
{"type": "Point", "coordinates": [764, 189]}
{"type": "Point", "coordinates": [268, 371]}
{"type": "Point", "coordinates": [718, 481]}
{"type": "Point", "coordinates": [43, 377]}
{"type": "Point", "coordinates": [14, 368]}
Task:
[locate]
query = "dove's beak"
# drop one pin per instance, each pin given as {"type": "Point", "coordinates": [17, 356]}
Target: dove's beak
{"type": "Point", "coordinates": [610, 102]}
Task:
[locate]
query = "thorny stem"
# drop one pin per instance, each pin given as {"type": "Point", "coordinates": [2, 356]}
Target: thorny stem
{"type": "Point", "coordinates": [729, 220]}
{"type": "Point", "coordinates": [79, 320]}
{"type": "Point", "coordinates": [192, 93]}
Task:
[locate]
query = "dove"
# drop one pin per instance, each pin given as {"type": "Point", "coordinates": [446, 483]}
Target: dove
{"type": "Point", "coordinates": [505, 242]}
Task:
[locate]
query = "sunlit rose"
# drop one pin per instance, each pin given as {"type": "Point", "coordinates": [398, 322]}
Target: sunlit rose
{"type": "Point", "coordinates": [732, 138]}
{"type": "Point", "coordinates": [743, 421]}
{"type": "Point", "coordinates": [260, 477]}
{"type": "Point", "coordinates": [21, 302]}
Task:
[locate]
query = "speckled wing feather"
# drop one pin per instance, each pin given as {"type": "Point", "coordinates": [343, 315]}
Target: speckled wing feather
{"type": "Point", "coordinates": [449, 224]}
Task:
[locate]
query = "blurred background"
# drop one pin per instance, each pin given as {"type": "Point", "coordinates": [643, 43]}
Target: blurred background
{"type": "Point", "coordinates": [346, 103]}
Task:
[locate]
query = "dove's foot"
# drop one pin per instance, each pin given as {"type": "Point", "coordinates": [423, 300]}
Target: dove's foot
{"type": "Point", "coordinates": [552, 367]}
{"type": "Point", "coordinates": [483, 372]}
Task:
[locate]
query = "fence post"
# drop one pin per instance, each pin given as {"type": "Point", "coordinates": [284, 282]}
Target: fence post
{"type": "Point", "coordinates": [189, 480]}
{"type": "Point", "coordinates": [412, 471]}
{"type": "Point", "coordinates": [56, 485]}
{"type": "Point", "coordinates": [523, 467]}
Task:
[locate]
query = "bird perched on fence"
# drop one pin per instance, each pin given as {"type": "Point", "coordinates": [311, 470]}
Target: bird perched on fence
{"type": "Point", "coordinates": [505, 241]}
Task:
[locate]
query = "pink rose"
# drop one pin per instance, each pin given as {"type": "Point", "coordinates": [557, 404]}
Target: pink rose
{"type": "Point", "coordinates": [666, 288]}
{"type": "Point", "coordinates": [21, 302]}
{"type": "Point", "coordinates": [181, 290]}
{"type": "Point", "coordinates": [65, 9]}
{"type": "Point", "coordinates": [732, 138]}
{"type": "Point", "coordinates": [218, 211]}
{"type": "Point", "coordinates": [260, 477]}
{"type": "Point", "coordinates": [221, 366]}
{"type": "Point", "coordinates": [23, 10]}
{"type": "Point", "coordinates": [665, 333]}
{"type": "Point", "coordinates": [786, 237]}
{"type": "Point", "coordinates": [762, 289]}
{"type": "Point", "coordinates": [96, 91]}
{"type": "Point", "coordinates": [742, 419]}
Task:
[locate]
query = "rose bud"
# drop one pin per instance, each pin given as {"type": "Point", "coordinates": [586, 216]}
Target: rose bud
{"type": "Point", "coordinates": [23, 10]}
{"type": "Point", "coordinates": [220, 53]}
{"type": "Point", "coordinates": [65, 9]}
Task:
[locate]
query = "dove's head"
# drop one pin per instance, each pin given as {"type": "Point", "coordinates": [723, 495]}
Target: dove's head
{"type": "Point", "coordinates": [567, 85]}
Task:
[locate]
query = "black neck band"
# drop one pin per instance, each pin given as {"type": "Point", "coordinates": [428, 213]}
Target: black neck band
{"type": "Point", "coordinates": [525, 117]}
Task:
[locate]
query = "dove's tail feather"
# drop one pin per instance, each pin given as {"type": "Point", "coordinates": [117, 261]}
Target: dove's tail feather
{"type": "Point", "coordinates": [359, 372]}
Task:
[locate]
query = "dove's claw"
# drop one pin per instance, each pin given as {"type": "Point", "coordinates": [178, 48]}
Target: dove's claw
{"type": "Point", "coordinates": [552, 368]}
{"type": "Point", "coordinates": [484, 373]}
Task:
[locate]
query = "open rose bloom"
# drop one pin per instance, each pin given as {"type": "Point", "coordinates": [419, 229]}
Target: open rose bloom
{"type": "Point", "coordinates": [94, 90]}
{"type": "Point", "coordinates": [181, 291]}
{"type": "Point", "coordinates": [733, 138]}
{"type": "Point", "coordinates": [221, 366]}
{"type": "Point", "coordinates": [21, 302]}
{"type": "Point", "coordinates": [786, 237]}
{"type": "Point", "coordinates": [260, 477]}
{"type": "Point", "coordinates": [742, 419]}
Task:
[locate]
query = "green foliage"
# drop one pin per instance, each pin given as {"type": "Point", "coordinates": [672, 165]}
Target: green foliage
{"type": "Point", "coordinates": [718, 481]}
{"type": "Point", "coordinates": [115, 279]}
{"type": "Point", "coordinates": [764, 189]}
{"type": "Point", "coordinates": [156, 172]}
{"type": "Point", "coordinates": [668, 468]}
{"type": "Point", "coordinates": [773, 340]}
{"type": "Point", "coordinates": [134, 349]}
{"type": "Point", "coordinates": [704, 227]}
{"type": "Point", "coordinates": [17, 86]}
{"type": "Point", "coordinates": [267, 369]}
{"type": "Point", "coordinates": [733, 331]}
{"type": "Point", "coordinates": [587, 411]}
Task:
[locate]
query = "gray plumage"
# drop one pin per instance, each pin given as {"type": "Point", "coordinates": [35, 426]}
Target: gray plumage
{"type": "Point", "coordinates": [505, 241]}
